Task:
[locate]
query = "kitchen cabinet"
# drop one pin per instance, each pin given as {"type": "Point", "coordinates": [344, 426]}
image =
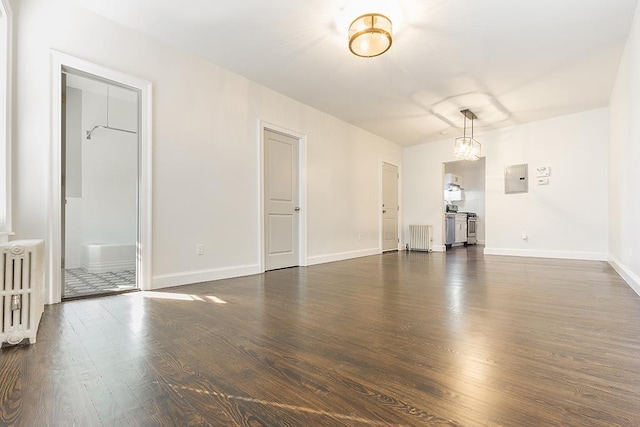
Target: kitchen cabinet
{"type": "Point", "coordinates": [461, 228]}
{"type": "Point", "coordinates": [452, 187]}
{"type": "Point", "coordinates": [451, 179]}
{"type": "Point", "coordinates": [453, 195]}
{"type": "Point", "coordinates": [456, 229]}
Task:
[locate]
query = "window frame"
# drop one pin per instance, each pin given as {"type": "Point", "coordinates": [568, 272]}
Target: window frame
{"type": "Point", "coordinates": [6, 68]}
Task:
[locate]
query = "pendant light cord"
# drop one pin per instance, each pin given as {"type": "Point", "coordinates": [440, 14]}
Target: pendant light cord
{"type": "Point", "coordinates": [464, 130]}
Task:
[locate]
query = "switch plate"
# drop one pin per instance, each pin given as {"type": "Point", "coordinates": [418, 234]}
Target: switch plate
{"type": "Point", "coordinates": [543, 181]}
{"type": "Point", "coordinates": [542, 171]}
{"type": "Point", "coordinates": [200, 249]}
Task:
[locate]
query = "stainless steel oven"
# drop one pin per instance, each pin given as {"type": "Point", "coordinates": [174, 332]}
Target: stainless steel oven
{"type": "Point", "coordinates": [472, 221]}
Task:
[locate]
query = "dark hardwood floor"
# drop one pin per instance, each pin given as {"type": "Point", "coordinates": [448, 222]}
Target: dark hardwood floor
{"type": "Point", "coordinates": [398, 339]}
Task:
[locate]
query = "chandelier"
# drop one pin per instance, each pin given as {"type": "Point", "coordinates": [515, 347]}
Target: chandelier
{"type": "Point", "coordinates": [467, 148]}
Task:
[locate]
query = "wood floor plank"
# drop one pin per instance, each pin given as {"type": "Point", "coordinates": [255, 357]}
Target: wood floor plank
{"type": "Point", "coordinates": [456, 339]}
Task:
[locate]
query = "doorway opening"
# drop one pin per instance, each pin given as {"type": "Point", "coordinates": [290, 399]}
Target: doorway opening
{"type": "Point", "coordinates": [464, 203]}
{"type": "Point", "coordinates": [61, 65]}
{"type": "Point", "coordinates": [100, 174]}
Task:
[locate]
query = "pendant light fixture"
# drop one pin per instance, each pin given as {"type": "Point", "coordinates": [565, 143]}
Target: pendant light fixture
{"type": "Point", "coordinates": [467, 148]}
{"type": "Point", "coordinates": [370, 35]}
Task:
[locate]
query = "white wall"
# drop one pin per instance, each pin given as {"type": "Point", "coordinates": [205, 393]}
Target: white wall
{"type": "Point", "coordinates": [624, 163]}
{"type": "Point", "coordinates": [102, 172]}
{"type": "Point", "coordinates": [565, 219]}
{"type": "Point", "coordinates": [109, 173]}
{"type": "Point", "coordinates": [205, 149]}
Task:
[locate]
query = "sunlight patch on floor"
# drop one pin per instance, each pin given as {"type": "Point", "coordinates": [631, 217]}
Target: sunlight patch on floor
{"type": "Point", "coordinates": [181, 297]}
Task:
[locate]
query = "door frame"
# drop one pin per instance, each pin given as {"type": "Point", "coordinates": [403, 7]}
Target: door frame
{"type": "Point", "coordinates": [59, 62]}
{"type": "Point", "coordinates": [302, 191]}
{"type": "Point", "coordinates": [381, 197]}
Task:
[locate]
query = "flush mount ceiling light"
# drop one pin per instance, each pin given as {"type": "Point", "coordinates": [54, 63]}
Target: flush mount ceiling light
{"type": "Point", "coordinates": [370, 35]}
{"type": "Point", "coordinates": [467, 148]}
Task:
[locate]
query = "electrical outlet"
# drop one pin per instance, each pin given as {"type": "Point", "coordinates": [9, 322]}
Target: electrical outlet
{"type": "Point", "coordinates": [200, 249]}
{"type": "Point", "coordinates": [359, 237]}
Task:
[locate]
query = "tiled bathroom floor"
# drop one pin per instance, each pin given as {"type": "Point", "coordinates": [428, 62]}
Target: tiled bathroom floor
{"type": "Point", "coordinates": [80, 283]}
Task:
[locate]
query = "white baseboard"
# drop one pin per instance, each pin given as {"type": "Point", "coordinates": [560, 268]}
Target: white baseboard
{"type": "Point", "coordinates": [190, 277]}
{"type": "Point", "coordinates": [439, 248]}
{"type": "Point", "coordinates": [341, 256]}
{"type": "Point", "coordinates": [632, 280]}
{"type": "Point", "coordinates": [587, 256]}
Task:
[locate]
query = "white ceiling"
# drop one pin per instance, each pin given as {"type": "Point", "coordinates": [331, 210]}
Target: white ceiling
{"type": "Point", "coordinates": [509, 61]}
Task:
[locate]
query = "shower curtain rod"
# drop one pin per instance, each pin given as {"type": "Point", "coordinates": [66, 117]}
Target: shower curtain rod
{"type": "Point", "coordinates": [90, 132]}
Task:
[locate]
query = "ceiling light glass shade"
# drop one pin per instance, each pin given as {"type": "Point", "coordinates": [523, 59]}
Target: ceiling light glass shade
{"type": "Point", "coordinates": [466, 148]}
{"type": "Point", "coordinates": [370, 35]}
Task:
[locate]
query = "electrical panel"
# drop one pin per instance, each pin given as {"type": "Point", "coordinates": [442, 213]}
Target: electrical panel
{"type": "Point", "coordinates": [516, 179]}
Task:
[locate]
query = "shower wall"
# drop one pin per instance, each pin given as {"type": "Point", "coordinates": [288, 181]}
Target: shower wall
{"type": "Point", "coordinates": [101, 182]}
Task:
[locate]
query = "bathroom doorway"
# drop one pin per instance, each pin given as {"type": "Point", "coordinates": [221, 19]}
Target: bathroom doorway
{"type": "Point", "coordinates": [100, 175]}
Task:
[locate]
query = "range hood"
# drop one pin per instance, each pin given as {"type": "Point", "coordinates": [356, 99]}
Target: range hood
{"type": "Point", "coordinates": [452, 182]}
{"type": "Point", "coordinates": [452, 187]}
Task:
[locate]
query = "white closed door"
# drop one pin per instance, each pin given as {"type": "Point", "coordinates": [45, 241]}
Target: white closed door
{"type": "Point", "coordinates": [389, 207]}
{"type": "Point", "coordinates": [281, 200]}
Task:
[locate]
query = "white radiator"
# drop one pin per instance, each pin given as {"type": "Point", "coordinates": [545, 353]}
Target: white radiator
{"type": "Point", "coordinates": [21, 290]}
{"type": "Point", "coordinates": [420, 237]}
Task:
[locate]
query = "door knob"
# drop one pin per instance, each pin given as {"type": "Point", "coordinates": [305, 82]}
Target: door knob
{"type": "Point", "coordinates": [384, 211]}
{"type": "Point", "coordinates": [297, 209]}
